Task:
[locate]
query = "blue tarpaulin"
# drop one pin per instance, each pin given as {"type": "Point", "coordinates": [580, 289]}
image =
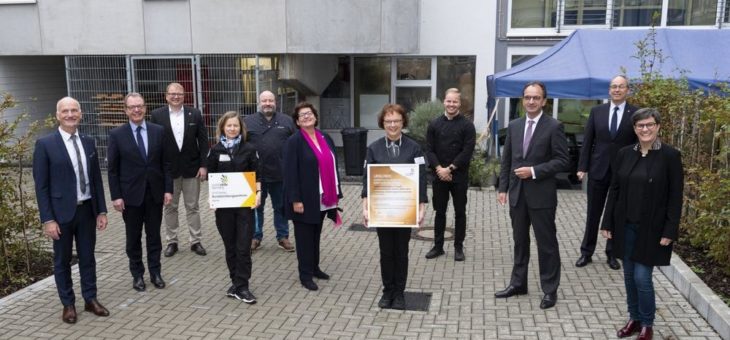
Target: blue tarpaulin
{"type": "Point", "coordinates": [582, 65]}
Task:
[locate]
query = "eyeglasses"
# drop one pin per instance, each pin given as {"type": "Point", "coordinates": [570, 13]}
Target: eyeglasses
{"type": "Point", "coordinates": [304, 114]}
{"type": "Point", "coordinates": [134, 107]}
{"type": "Point", "coordinates": [392, 122]}
{"type": "Point", "coordinates": [616, 87]}
{"type": "Point", "coordinates": [529, 98]}
{"type": "Point", "coordinates": [175, 94]}
{"type": "Point", "coordinates": [649, 126]}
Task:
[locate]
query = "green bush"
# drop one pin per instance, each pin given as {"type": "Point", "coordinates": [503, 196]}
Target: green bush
{"type": "Point", "coordinates": [419, 118]}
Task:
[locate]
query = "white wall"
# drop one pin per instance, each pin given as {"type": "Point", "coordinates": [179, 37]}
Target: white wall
{"type": "Point", "coordinates": [462, 27]}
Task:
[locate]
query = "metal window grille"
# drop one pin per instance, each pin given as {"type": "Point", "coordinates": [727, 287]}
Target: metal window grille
{"type": "Point", "coordinates": [214, 84]}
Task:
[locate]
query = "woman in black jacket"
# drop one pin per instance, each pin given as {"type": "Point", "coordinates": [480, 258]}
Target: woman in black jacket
{"type": "Point", "coordinates": [394, 148]}
{"type": "Point", "coordinates": [642, 216]}
{"type": "Point", "coordinates": [235, 225]}
{"type": "Point", "coordinates": [311, 189]}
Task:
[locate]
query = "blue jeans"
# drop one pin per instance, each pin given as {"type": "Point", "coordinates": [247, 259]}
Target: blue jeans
{"type": "Point", "coordinates": [638, 279]}
{"type": "Point", "coordinates": [275, 190]}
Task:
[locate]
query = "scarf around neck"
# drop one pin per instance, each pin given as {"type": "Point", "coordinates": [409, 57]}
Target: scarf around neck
{"type": "Point", "coordinates": [326, 167]}
{"type": "Point", "coordinates": [230, 143]}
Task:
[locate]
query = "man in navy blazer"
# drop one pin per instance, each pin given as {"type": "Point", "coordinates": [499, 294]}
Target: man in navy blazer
{"type": "Point", "coordinates": [535, 150]}
{"type": "Point", "coordinates": [608, 129]}
{"type": "Point", "coordinates": [186, 144]}
{"type": "Point", "coordinates": [140, 182]}
{"type": "Point", "coordinates": [71, 203]}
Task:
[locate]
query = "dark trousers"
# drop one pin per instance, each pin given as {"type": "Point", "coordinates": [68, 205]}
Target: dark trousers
{"type": "Point", "coordinates": [148, 216]}
{"type": "Point", "coordinates": [82, 229]}
{"type": "Point", "coordinates": [394, 259]}
{"type": "Point", "coordinates": [548, 254]}
{"type": "Point", "coordinates": [281, 224]}
{"type": "Point", "coordinates": [441, 192]}
{"type": "Point", "coordinates": [236, 226]}
{"type": "Point", "coordinates": [597, 191]}
{"type": "Point", "coordinates": [307, 237]}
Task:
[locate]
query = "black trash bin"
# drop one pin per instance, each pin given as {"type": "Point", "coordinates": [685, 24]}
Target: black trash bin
{"type": "Point", "coordinates": [354, 142]}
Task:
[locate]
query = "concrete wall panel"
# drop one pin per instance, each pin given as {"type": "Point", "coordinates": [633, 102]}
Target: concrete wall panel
{"type": "Point", "coordinates": [245, 26]}
{"type": "Point", "coordinates": [19, 30]}
{"type": "Point", "coordinates": [400, 23]}
{"type": "Point", "coordinates": [167, 27]}
{"type": "Point", "coordinates": [92, 27]}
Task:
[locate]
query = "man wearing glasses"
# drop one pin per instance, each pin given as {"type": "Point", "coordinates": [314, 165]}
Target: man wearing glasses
{"type": "Point", "coordinates": [139, 183]}
{"type": "Point", "coordinates": [608, 129]}
{"type": "Point", "coordinates": [534, 151]}
{"type": "Point", "coordinates": [186, 143]}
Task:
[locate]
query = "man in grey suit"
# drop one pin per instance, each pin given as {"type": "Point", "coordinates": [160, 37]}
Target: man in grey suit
{"type": "Point", "coordinates": [535, 150]}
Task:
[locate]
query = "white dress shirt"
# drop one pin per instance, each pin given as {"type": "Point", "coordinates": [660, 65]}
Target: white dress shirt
{"type": "Point", "coordinates": [177, 122]}
{"type": "Point", "coordinates": [75, 162]}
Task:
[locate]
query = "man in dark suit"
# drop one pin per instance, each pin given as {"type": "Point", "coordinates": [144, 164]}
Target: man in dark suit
{"type": "Point", "coordinates": [140, 182]}
{"type": "Point", "coordinates": [186, 144]}
{"type": "Point", "coordinates": [71, 203]}
{"type": "Point", "coordinates": [608, 129]}
{"type": "Point", "coordinates": [535, 150]}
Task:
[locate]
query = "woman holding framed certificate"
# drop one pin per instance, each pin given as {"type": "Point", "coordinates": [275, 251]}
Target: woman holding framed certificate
{"type": "Point", "coordinates": [395, 148]}
{"type": "Point", "coordinates": [236, 225]}
{"type": "Point", "coordinates": [311, 189]}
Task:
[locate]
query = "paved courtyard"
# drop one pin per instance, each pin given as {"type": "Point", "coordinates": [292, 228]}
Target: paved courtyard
{"type": "Point", "coordinates": [194, 306]}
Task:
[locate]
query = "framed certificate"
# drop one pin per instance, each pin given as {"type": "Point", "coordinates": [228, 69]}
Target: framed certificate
{"type": "Point", "coordinates": [232, 189]}
{"type": "Point", "coordinates": [393, 195]}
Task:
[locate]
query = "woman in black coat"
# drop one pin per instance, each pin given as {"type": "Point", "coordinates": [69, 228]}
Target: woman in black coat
{"type": "Point", "coordinates": [394, 148]}
{"type": "Point", "coordinates": [235, 225]}
{"type": "Point", "coordinates": [642, 216]}
{"type": "Point", "coordinates": [311, 189]}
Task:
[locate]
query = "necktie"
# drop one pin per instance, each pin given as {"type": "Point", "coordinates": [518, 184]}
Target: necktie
{"type": "Point", "coordinates": [140, 143]}
{"type": "Point", "coordinates": [528, 137]}
{"type": "Point", "coordinates": [614, 123]}
{"type": "Point", "coordinates": [82, 178]}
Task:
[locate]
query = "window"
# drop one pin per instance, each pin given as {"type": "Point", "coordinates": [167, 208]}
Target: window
{"type": "Point", "coordinates": [533, 13]}
{"type": "Point", "coordinates": [691, 12]}
{"type": "Point", "coordinates": [585, 12]}
{"type": "Point", "coordinates": [727, 12]}
{"type": "Point", "coordinates": [637, 12]}
{"type": "Point", "coordinates": [413, 81]}
{"type": "Point", "coordinates": [372, 89]}
{"type": "Point", "coordinates": [457, 72]}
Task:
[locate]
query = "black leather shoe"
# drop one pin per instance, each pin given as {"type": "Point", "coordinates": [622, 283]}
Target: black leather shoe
{"type": "Point", "coordinates": [548, 301]}
{"type": "Point", "coordinates": [385, 301]}
{"type": "Point", "coordinates": [69, 314]}
{"type": "Point", "coordinates": [459, 254]}
{"type": "Point", "coordinates": [171, 249]}
{"type": "Point", "coordinates": [198, 249]}
{"type": "Point", "coordinates": [157, 281]}
{"type": "Point", "coordinates": [399, 302]}
{"type": "Point", "coordinates": [321, 275]}
{"type": "Point", "coordinates": [613, 263]}
{"type": "Point", "coordinates": [310, 285]}
{"type": "Point", "coordinates": [510, 291]}
{"type": "Point", "coordinates": [435, 252]}
{"type": "Point", "coordinates": [138, 284]}
{"type": "Point", "coordinates": [583, 261]}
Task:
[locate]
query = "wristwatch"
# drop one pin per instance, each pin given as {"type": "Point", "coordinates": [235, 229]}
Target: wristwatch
{"type": "Point", "coordinates": [451, 167]}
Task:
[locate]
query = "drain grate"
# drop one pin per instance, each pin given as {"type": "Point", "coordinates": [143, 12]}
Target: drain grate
{"type": "Point", "coordinates": [427, 234]}
{"type": "Point", "coordinates": [417, 301]}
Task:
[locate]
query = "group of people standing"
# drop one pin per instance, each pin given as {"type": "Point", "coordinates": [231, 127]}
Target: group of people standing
{"type": "Point", "coordinates": [151, 164]}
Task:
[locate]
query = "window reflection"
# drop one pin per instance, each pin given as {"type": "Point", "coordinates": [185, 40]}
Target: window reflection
{"type": "Point", "coordinates": [691, 12]}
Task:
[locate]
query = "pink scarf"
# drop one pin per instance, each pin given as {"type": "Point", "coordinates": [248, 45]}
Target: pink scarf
{"type": "Point", "coordinates": [326, 167]}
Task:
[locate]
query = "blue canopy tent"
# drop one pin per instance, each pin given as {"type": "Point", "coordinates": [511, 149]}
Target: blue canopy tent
{"type": "Point", "coordinates": [581, 65]}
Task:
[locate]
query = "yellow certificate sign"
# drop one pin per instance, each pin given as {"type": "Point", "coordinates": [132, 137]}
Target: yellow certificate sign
{"type": "Point", "coordinates": [393, 195]}
{"type": "Point", "coordinates": [232, 189]}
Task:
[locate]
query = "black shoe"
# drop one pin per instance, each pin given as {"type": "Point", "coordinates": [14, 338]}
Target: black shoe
{"type": "Point", "coordinates": [510, 291]}
{"type": "Point", "coordinates": [321, 275]}
{"type": "Point", "coordinates": [385, 301]}
{"type": "Point", "coordinates": [435, 252]}
{"type": "Point", "coordinates": [310, 285]}
{"type": "Point", "coordinates": [548, 301]}
{"type": "Point", "coordinates": [583, 260]}
{"type": "Point", "coordinates": [198, 249]}
{"type": "Point", "coordinates": [231, 293]}
{"type": "Point", "coordinates": [171, 249]}
{"type": "Point", "coordinates": [138, 284]}
{"type": "Point", "coordinates": [459, 254]}
{"type": "Point", "coordinates": [246, 296]}
{"type": "Point", "coordinates": [399, 302]}
{"type": "Point", "coordinates": [613, 263]}
{"type": "Point", "coordinates": [157, 281]}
